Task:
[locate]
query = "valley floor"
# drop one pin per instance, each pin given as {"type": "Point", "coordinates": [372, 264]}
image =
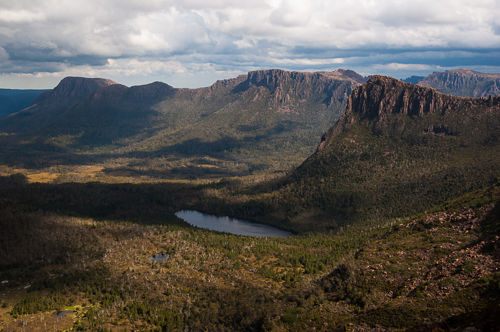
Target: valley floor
{"type": "Point", "coordinates": [61, 271]}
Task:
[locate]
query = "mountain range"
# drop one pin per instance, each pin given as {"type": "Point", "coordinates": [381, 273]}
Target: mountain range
{"type": "Point", "coordinates": [398, 150]}
{"type": "Point", "coordinates": [397, 205]}
{"type": "Point", "coordinates": [265, 120]}
{"type": "Point", "coordinates": [460, 82]}
{"type": "Point", "coordinates": [260, 119]}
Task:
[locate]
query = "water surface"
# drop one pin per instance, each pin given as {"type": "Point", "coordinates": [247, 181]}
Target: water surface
{"type": "Point", "coordinates": [160, 258]}
{"type": "Point", "coordinates": [230, 225]}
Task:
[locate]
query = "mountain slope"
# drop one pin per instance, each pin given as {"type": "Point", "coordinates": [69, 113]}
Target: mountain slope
{"type": "Point", "coordinates": [463, 82]}
{"type": "Point", "coordinates": [95, 110]}
{"type": "Point", "coordinates": [398, 150]}
{"type": "Point", "coordinates": [12, 100]}
{"type": "Point", "coordinates": [273, 114]}
{"type": "Point", "coordinates": [267, 113]}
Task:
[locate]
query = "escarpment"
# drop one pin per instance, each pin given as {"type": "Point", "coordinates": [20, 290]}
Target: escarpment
{"type": "Point", "coordinates": [464, 82]}
{"type": "Point", "coordinates": [384, 103]}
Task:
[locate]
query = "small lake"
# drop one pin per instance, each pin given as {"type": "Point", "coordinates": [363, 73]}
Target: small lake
{"type": "Point", "coordinates": [230, 225]}
{"type": "Point", "coordinates": [160, 258]}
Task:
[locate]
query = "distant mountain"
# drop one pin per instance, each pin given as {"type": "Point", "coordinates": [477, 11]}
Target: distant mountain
{"type": "Point", "coordinates": [462, 82]}
{"type": "Point", "coordinates": [77, 87]}
{"type": "Point", "coordinates": [12, 100]}
{"type": "Point", "coordinates": [93, 111]}
{"type": "Point", "coordinates": [398, 150]}
{"type": "Point", "coordinates": [255, 119]}
{"type": "Point", "coordinates": [413, 79]}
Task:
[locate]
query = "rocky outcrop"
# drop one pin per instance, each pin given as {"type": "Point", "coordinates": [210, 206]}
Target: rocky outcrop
{"type": "Point", "coordinates": [463, 82]}
{"type": "Point", "coordinates": [381, 97]}
{"type": "Point", "coordinates": [289, 87]}
{"type": "Point", "coordinates": [78, 87]}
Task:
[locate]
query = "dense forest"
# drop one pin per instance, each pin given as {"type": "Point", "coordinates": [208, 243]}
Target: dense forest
{"type": "Point", "coordinates": [65, 266]}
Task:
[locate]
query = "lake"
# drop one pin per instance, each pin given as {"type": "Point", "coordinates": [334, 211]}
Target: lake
{"type": "Point", "coordinates": [230, 225]}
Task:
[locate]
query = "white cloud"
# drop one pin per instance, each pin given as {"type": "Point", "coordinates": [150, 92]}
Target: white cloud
{"type": "Point", "coordinates": [404, 66]}
{"type": "Point", "coordinates": [19, 16]}
{"type": "Point", "coordinates": [309, 62]}
{"type": "Point", "coordinates": [235, 35]}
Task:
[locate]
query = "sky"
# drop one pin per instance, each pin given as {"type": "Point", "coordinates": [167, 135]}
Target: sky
{"type": "Point", "coordinates": [193, 43]}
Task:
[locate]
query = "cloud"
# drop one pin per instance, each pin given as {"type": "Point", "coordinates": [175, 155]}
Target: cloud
{"type": "Point", "coordinates": [19, 16]}
{"type": "Point", "coordinates": [232, 36]}
{"type": "Point", "coordinates": [4, 56]}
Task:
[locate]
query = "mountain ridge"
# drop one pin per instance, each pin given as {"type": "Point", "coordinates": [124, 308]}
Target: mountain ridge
{"type": "Point", "coordinates": [254, 114]}
{"type": "Point", "coordinates": [398, 150]}
{"type": "Point", "coordinates": [463, 82]}
{"type": "Point", "coordinates": [72, 86]}
{"type": "Point", "coordinates": [14, 100]}
{"type": "Point", "coordinates": [371, 102]}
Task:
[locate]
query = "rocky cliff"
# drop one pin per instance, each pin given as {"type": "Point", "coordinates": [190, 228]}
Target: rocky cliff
{"type": "Point", "coordinates": [290, 88]}
{"type": "Point", "coordinates": [463, 82]}
{"type": "Point", "coordinates": [382, 97]}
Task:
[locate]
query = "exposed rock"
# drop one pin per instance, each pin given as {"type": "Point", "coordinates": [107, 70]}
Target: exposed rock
{"type": "Point", "coordinates": [289, 87]}
{"type": "Point", "coordinates": [381, 97]}
{"type": "Point", "coordinates": [463, 82]}
{"type": "Point", "coordinates": [78, 86]}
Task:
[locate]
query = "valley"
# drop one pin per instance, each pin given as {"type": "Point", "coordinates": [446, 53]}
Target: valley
{"type": "Point", "coordinates": [389, 192]}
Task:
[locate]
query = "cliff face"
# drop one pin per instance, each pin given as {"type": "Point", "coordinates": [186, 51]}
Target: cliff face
{"type": "Point", "coordinates": [285, 86]}
{"type": "Point", "coordinates": [381, 99]}
{"type": "Point", "coordinates": [382, 96]}
{"type": "Point", "coordinates": [463, 82]}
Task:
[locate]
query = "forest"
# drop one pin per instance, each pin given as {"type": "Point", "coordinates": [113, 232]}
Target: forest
{"type": "Point", "coordinates": [95, 263]}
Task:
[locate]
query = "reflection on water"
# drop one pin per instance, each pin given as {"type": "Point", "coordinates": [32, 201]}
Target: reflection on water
{"type": "Point", "coordinates": [160, 258]}
{"type": "Point", "coordinates": [230, 225]}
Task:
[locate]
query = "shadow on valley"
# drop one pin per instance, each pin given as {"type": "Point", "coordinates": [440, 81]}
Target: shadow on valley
{"type": "Point", "coordinates": [64, 245]}
{"type": "Point", "coordinates": [30, 152]}
{"type": "Point", "coordinates": [143, 203]}
{"type": "Point", "coordinates": [226, 143]}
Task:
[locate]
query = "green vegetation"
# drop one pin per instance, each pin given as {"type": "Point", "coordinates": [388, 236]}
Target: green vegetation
{"type": "Point", "coordinates": [393, 275]}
